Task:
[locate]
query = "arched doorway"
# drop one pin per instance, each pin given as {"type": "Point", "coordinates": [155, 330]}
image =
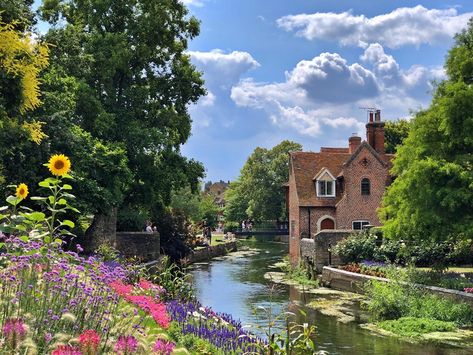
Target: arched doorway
{"type": "Point", "coordinates": [327, 223]}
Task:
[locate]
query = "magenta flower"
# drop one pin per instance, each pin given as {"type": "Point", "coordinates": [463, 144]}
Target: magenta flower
{"type": "Point", "coordinates": [163, 347]}
{"type": "Point", "coordinates": [89, 342]}
{"type": "Point", "coordinates": [14, 331]}
{"type": "Point", "coordinates": [66, 350]}
{"type": "Point", "coordinates": [126, 344]}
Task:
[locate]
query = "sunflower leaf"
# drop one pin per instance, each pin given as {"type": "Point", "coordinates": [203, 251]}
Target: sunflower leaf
{"type": "Point", "coordinates": [66, 187]}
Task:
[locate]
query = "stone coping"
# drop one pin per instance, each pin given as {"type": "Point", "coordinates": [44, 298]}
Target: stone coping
{"type": "Point", "coordinates": [138, 233]}
{"type": "Point", "coordinates": [328, 273]}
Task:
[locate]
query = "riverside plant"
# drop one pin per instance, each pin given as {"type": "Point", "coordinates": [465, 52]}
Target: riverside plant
{"type": "Point", "coordinates": [219, 329]}
{"type": "Point", "coordinates": [285, 335]}
{"type": "Point", "coordinates": [50, 299]}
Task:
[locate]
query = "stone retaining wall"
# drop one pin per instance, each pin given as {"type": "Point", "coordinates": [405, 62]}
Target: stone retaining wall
{"type": "Point", "coordinates": [205, 254]}
{"type": "Point", "coordinates": [316, 252]}
{"type": "Point", "coordinates": [354, 282]}
{"type": "Point", "coordinates": [142, 245]}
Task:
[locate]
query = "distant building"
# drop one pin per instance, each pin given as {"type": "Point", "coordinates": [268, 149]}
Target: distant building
{"type": "Point", "coordinates": [217, 191]}
{"type": "Point", "coordinates": [337, 188]}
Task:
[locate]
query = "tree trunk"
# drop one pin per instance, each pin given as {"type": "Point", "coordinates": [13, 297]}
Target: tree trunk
{"type": "Point", "coordinates": [103, 229]}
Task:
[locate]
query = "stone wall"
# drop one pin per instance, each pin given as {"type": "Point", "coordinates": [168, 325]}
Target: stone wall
{"type": "Point", "coordinates": [315, 252]}
{"type": "Point", "coordinates": [142, 245]}
{"type": "Point", "coordinates": [205, 254]}
{"type": "Point", "coordinates": [353, 282]}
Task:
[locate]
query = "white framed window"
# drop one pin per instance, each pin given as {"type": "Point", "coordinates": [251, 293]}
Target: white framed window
{"type": "Point", "coordinates": [326, 188]}
{"type": "Point", "coordinates": [325, 184]}
{"type": "Point", "coordinates": [358, 225]}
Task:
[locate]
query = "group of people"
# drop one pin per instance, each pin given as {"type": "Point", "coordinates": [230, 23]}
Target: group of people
{"type": "Point", "coordinates": [247, 225]}
{"type": "Point", "coordinates": [150, 227]}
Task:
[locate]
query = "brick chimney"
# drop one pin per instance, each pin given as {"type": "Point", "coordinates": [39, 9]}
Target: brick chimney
{"type": "Point", "coordinates": [375, 131]}
{"type": "Point", "coordinates": [353, 143]}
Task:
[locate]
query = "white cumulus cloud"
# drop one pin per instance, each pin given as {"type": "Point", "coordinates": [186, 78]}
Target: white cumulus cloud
{"type": "Point", "coordinates": [327, 91]}
{"type": "Point", "coordinates": [403, 26]}
{"type": "Point", "coordinates": [223, 68]}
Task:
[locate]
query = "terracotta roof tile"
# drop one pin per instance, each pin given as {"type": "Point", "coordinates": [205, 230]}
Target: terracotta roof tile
{"type": "Point", "coordinates": [306, 165]}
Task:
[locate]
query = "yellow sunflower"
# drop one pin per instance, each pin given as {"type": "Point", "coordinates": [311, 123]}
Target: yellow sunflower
{"type": "Point", "coordinates": [22, 191]}
{"type": "Point", "coordinates": [59, 164]}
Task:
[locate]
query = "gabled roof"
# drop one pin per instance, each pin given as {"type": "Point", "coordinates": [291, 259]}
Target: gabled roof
{"type": "Point", "coordinates": [305, 165]}
{"type": "Point", "coordinates": [322, 172]}
{"type": "Point", "coordinates": [365, 144]}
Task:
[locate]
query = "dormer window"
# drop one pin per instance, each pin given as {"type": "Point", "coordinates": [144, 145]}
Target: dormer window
{"type": "Point", "coordinates": [325, 184]}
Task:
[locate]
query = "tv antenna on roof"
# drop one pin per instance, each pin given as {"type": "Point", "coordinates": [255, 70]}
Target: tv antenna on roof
{"type": "Point", "coordinates": [371, 112]}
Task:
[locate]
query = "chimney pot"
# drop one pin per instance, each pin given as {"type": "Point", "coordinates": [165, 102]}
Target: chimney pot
{"type": "Point", "coordinates": [353, 143]}
{"type": "Point", "coordinates": [371, 116]}
{"type": "Point", "coordinates": [377, 116]}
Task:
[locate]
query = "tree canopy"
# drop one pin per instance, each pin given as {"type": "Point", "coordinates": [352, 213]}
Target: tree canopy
{"type": "Point", "coordinates": [115, 100]}
{"type": "Point", "coordinates": [258, 192]}
{"type": "Point", "coordinates": [432, 195]}
{"type": "Point", "coordinates": [395, 132]}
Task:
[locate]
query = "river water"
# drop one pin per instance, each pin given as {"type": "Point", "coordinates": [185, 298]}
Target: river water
{"type": "Point", "coordinates": [236, 285]}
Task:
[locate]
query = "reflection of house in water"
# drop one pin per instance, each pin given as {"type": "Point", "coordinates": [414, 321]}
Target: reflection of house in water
{"type": "Point", "coordinates": [217, 191]}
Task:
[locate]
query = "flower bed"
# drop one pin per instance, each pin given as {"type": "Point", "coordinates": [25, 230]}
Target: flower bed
{"type": "Point", "coordinates": [57, 302]}
{"type": "Point", "coordinates": [220, 329]}
{"type": "Point", "coordinates": [371, 268]}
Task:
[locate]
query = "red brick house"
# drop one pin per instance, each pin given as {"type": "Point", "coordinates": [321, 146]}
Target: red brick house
{"type": "Point", "coordinates": [337, 188]}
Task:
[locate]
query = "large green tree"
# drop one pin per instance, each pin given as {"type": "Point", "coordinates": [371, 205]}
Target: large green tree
{"type": "Point", "coordinates": [432, 195]}
{"type": "Point", "coordinates": [258, 192]}
{"type": "Point", "coordinates": [395, 132]}
{"type": "Point", "coordinates": [130, 81]}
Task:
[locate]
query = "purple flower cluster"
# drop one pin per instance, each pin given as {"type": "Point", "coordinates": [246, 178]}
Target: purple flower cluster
{"type": "Point", "coordinates": [371, 263]}
{"type": "Point", "coordinates": [54, 285]}
{"type": "Point", "coordinates": [220, 329]}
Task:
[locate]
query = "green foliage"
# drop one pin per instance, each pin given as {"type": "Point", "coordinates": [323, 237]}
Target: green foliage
{"type": "Point", "coordinates": [208, 210]}
{"type": "Point", "coordinates": [413, 327]}
{"type": "Point", "coordinates": [29, 224]}
{"type": "Point", "coordinates": [187, 202]}
{"type": "Point", "coordinates": [174, 280]}
{"type": "Point", "coordinates": [432, 195]}
{"type": "Point", "coordinates": [443, 279]}
{"type": "Point", "coordinates": [356, 247]}
{"type": "Point", "coordinates": [191, 342]}
{"type": "Point", "coordinates": [258, 192]}
{"type": "Point", "coordinates": [107, 252]}
{"type": "Point", "coordinates": [395, 132]}
{"type": "Point", "coordinates": [400, 298]}
{"type": "Point", "coordinates": [176, 232]}
{"type": "Point", "coordinates": [387, 300]}
{"type": "Point", "coordinates": [299, 273]}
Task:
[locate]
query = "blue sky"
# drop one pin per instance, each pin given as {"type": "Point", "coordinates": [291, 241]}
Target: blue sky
{"type": "Point", "coordinates": [301, 69]}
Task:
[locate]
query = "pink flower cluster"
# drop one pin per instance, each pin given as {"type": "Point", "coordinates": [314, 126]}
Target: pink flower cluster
{"type": "Point", "coordinates": [163, 347]}
{"type": "Point", "coordinates": [126, 344]}
{"type": "Point", "coordinates": [147, 303]}
{"type": "Point", "coordinates": [14, 331]}
{"type": "Point", "coordinates": [89, 342]}
{"type": "Point", "coordinates": [468, 289]}
{"type": "Point", "coordinates": [66, 350]}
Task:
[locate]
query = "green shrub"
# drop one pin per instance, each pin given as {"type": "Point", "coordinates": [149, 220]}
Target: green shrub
{"type": "Point", "coordinates": [396, 299]}
{"type": "Point", "coordinates": [413, 327]}
{"type": "Point", "coordinates": [356, 247]}
{"type": "Point", "coordinates": [107, 252]}
{"type": "Point", "coordinates": [387, 300]}
{"type": "Point", "coordinates": [231, 226]}
{"type": "Point", "coordinates": [440, 308]}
